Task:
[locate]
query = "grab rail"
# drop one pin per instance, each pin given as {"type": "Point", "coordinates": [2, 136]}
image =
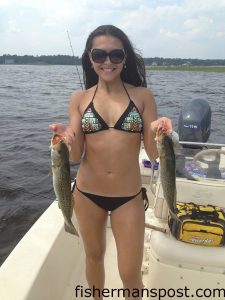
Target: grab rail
{"type": "Point", "coordinates": [201, 144]}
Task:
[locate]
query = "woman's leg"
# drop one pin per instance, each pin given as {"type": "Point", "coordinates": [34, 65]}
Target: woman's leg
{"type": "Point", "coordinates": [92, 225]}
{"type": "Point", "coordinates": [128, 228]}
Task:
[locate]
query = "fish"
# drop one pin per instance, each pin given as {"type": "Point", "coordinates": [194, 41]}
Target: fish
{"type": "Point", "coordinates": [167, 168]}
{"type": "Point", "coordinates": [62, 180]}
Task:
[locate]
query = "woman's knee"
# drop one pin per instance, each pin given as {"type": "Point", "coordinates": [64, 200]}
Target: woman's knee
{"type": "Point", "coordinates": [130, 277]}
{"type": "Point", "coordinates": [96, 256]}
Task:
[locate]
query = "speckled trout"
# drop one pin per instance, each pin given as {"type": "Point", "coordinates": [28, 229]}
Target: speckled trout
{"type": "Point", "coordinates": [62, 180]}
{"type": "Point", "coordinates": [167, 169]}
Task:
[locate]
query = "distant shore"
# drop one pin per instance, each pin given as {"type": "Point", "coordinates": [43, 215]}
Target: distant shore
{"type": "Point", "coordinates": [152, 63]}
{"type": "Point", "coordinates": [218, 69]}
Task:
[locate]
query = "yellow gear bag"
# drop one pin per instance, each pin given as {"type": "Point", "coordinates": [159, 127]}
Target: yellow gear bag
{"type": "Point", "coordinates": [202, 225]}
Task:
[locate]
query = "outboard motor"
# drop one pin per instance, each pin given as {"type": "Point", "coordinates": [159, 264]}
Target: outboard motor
{"type": "Point", "coordinates": [195, 121]}
{"type": "Point", "coordinates": [194, 125]}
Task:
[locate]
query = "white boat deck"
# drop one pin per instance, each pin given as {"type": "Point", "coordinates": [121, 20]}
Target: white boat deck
{"type": "Point", "coordinates": [33, 271]}
{"type": "Point", "coordinates": [48, 263]}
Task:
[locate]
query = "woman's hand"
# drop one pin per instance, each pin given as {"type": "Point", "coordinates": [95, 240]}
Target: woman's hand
{"type": "Point", "coordinates": [164, 122]}
{"type": "Point", "coordinates": [66, 132]}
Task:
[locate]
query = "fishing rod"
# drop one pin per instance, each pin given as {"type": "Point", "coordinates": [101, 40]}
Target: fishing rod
{"type": "Point", "coordinates": [78, 73]}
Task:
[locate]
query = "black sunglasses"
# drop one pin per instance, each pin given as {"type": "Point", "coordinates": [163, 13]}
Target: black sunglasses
{"type": "Point", "coordinates": [99, 56]}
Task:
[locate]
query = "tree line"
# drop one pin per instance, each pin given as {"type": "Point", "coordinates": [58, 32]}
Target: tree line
{"type": "Point", "coordinates": [75, 60]}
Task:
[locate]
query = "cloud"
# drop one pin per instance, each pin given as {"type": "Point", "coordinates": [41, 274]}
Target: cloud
{"type": "Point", "coordinates": [169, 34]}
{"type": "Point", "coordinates": [168, 28]}
{"type": "Point", "coordinates": [203, 6]}
{"type": "Point", "coordinates": [13, 26]}
{"type": "Point", "coordinates": [220, 35]}
{"type": "Point", "coordinates": [198, 24]}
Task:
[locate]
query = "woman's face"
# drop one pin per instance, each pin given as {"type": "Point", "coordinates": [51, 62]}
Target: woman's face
{"type": "Point", "coordinates": [108, 70]}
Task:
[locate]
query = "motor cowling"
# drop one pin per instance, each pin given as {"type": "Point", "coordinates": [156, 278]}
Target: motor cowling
{"type": "Point", "coordinates": [194, 123]}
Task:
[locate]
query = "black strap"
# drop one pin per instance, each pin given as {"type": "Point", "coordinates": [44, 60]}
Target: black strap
{"type": "Point", "coordinates": [145, 198]}
{"type": "Point", "coordinates": [94, 93]}
{"type": "Point", "coordinates": [213, 215]}
{"type": "Point", "coordinates": [126, 91]}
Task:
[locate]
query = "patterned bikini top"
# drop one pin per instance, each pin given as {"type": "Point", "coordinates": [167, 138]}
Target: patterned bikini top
{"type": "Point", "coordinates": [129, 121]}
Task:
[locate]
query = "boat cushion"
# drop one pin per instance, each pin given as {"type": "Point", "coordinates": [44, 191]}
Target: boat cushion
{"type": "Point", "coordinates": [166, 249]}
{"type": "Point", "coordinates": [200, 192]}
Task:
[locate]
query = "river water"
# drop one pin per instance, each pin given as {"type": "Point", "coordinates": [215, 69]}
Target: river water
{"type": "Point", "coordinates": [31, 97]}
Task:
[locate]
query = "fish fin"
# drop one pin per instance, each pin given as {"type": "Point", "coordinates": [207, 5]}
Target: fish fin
{"type": "Point", "coordinates": [175, 137]}
{"type": "Point", "coordinates": [71, 212]}
{"type": "Point", "coordinates": [175, 140]}
{"type": "Point", "coordinates": [50, 173]}
{"type": "Point", "coordinates": [69, 227]}
{"type": "Point", "coordinates": [58, 204]}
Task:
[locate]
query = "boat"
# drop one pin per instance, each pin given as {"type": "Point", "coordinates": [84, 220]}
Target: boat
{"type": "Point", "coordinates": [48, 263]}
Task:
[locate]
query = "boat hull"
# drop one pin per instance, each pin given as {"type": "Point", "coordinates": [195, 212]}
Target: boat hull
{"type": "Point", "coordinates": [41, 265]}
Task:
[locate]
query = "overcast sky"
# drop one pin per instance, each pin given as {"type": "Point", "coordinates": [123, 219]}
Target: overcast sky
{"type": "Point", "coordinates": [164, 28]}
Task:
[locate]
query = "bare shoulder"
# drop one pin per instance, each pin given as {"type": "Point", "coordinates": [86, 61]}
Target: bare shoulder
{"type": "Point", "coordinates": [77, 96]}
{"type": "Point", "coordinates": [141, 95]}
{"type": "Point", "coordinates": [144, 92]}
{"type": "Point", "coordinates": [78, 99]}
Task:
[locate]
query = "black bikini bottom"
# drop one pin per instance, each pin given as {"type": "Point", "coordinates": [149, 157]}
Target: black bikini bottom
{"type": "Point", "coordinates": [111, 203]}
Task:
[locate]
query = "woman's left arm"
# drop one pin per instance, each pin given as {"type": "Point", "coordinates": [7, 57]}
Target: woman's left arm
{"type": "Point", "coordinates": [151, 124]}
{"type": "Point", "coordinates": [148, 116]}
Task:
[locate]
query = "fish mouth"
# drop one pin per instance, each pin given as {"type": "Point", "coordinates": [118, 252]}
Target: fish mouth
{"type": "Point", "coordinates": [160, 133]}
{"type": "Point", "coordinates": [56, 139]}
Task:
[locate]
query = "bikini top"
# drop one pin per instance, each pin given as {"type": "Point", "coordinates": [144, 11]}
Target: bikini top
{"type": "Point", "coordinates": [130, 120]}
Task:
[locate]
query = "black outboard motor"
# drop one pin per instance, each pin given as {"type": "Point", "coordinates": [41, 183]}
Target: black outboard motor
{"type": "Point", "coordinates": [194, 126]}
{"type": "Point", "coordinates": [195, 121]}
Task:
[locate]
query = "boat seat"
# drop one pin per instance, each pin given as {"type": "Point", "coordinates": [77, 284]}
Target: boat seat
{"type": "Point", "coordinates": [167, 250]}
{"type": "Point", "coordinates": [200, 192]}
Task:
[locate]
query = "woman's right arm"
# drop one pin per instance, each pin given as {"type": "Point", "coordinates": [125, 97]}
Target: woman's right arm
{"type": "Point", "coordinates": [77, 142]}
{"type": "Point", "coordinates": [72, 134]}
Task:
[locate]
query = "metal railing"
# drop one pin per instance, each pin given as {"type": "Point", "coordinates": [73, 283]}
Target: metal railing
{"type": "Point", "coordinates": [201, 144]}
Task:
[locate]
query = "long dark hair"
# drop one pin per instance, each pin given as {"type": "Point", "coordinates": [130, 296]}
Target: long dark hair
{"type": "Point", "coordinates": [134, 73]}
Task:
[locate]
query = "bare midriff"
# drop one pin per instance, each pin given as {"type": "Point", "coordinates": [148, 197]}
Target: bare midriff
{"type": "Point", "coordinates": [110, 166]}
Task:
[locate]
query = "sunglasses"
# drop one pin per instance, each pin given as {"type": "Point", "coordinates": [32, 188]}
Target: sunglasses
{"type": "Point", "coordinates": [99, 56]}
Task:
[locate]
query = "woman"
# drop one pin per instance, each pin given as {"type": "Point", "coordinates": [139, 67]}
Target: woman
{"type": "Point", "coordinates": [107, 121]}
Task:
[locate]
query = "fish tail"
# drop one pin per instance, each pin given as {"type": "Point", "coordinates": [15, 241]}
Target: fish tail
{"type": "Point", "coordinates": [69, 227]}
{"type": "Point", "coordinates": [174, 216]}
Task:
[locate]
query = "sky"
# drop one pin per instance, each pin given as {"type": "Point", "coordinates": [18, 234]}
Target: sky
{"type": "Point", "coordinates": [157, 28]}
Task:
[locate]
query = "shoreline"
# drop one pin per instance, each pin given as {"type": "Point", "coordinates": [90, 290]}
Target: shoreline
{"type": "Point", "coordinates": [217, 69]}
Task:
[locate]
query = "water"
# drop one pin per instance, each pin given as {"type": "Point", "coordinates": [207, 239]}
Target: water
{"type": "Point", "coordinates": [32, 97]}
